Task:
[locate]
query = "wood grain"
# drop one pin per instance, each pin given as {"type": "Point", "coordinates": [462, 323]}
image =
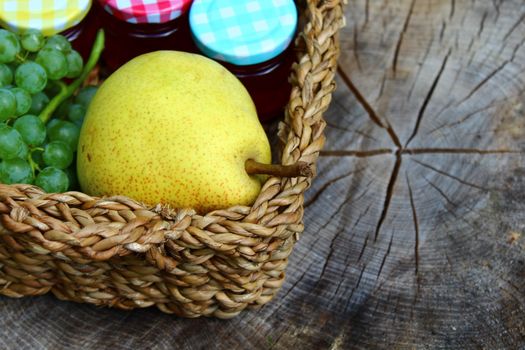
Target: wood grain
{"type": "Point", "coordinates": [415, 222]}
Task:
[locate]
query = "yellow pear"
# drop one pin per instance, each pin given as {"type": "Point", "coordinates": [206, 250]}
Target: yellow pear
{"type": "Point", "coordinates": [172, 128]}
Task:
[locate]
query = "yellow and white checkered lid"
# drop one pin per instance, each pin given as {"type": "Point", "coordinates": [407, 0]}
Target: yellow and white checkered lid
{"type": "Point", "coordinates": [48, 16]}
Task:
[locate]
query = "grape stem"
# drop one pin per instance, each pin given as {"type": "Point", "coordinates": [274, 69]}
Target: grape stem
{"type": "Point", "coordinates": [32, 163]}
{"type": "Point", "coordinates": [61, 85]}
{"type": "Point", "coordinates": [21, 59]}
{"type": "Point", "coordinates": [66, 92]}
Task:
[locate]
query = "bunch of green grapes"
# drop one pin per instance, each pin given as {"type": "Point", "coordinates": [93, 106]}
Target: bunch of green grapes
{"type": "Point", "coordinates": [33, 148]}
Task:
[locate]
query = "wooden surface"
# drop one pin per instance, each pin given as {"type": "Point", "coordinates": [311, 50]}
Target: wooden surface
{"type": "Point", "coordinates": [415, 224]}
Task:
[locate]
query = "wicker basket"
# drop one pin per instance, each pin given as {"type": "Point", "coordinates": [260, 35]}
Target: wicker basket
{"type": "Point", "coordinates": [117, 252]}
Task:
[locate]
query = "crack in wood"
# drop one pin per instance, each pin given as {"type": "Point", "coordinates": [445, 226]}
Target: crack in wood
{"type": "Point", "coordinates": [382, 86]}
{"type": "Point", "coordinates": [401, 35]}
{"type": "Point", "coordinates": [444, 173]}
{"type": "Point", "coordinates": [367, 107]}
{"type": "Point", "coordinates": [427, 51]}
{"type": "Point", "coordinates": [442, 31]}
{"type": "Point", "coordinates": [514, 26]}
{"type": "Point", "coordinates": [469, 48]}
{"type": "Point", "coordinates": [388, 195]}
{"type": "Point", "coordinates": [328, 257]}
{"type": "Point", "coordinates": [483, 82]}
{"type": "Point", "coordinates": [452, 8]}
{"type": "Point", "coordinates": [352, 230]}
{"type": "Point", "coordinates": [346, 264]}
{"type": "Point", "coordinates": [442, 193]}
{"type": "Point", "coordinates": [463, 119]}
{"type": "Point", "coordinates": [482, 24]}
{"type": "Point", "coordinates": [515, 51]}
{"type": "Point", "coordinates": [427, 99]}
{"type": "Point", "coordinates": [355, 287]}
{"type": "Point", "coordinates": [342, 279]}
{"type": "Point", "coordinates": [354, 153]}
{"type": "Point", "coordinates": [416, 224]}
{"type": "Point", "coordinates": [386, 254]}
{"type": "Point", "coordinates": [458, 151]}
{"type": "Point", "coordinates": [362, 249]}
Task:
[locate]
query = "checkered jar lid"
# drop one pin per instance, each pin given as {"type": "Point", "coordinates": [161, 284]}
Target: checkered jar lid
{"type": "Point", "coordinates": [146, 11]}
{"type": "Point", "coordinates": [243, 32]}
{"type": "Point", "coordinates": [48, 16]}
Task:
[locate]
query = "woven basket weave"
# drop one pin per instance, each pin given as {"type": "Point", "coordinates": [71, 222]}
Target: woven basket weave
{"type": "Point", "coordinates": [117, 252]}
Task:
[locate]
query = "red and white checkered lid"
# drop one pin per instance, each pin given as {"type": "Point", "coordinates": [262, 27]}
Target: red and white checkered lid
{"type": "Point", "coordinates": [146, 11]}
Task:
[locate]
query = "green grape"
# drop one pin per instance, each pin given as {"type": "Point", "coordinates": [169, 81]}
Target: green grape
{"type": "Point", "coordinates": [7, 104]}
{"type": "Point", "coordinates": [51, 179]}
{"type": "Point", "coordinates": [23, 100]}
{"type": "Point", "coordinates": [38, 102]}
{"type": "Point", "coordinates": [62, 110]}
{"type": "Point", "coordinates": [31, 76]}
{"type": "Point", "coordinates": [6, 75]}
{"type": "Point", "coordinates": [53, 61]}
{"type": "Point", "coordinates": [71, 173]}
{"type": "Point", "coordinates": [58, 42]}
{"type": "Point", "coordinates": [31, 128]}
{"type": "Point", "coordinates": [23, 152]}
{"type": "Point", "coordinates": [76, 113]}
{"type": "Point", "coordinates": [52, 123]}
{"type": "Point", "coordinates": [58, 154]}
{"type": "Point", "coordinates": [74, 64]}
{"type": "Point", "coordinates": [16, 171]}
{"type": "Point", "coordinates": [32, 40]}
{"type": "Point", "coordinates": [11, 142]}
{"type": "Point", "coordinates": [65, 131]}
{"type": "Point", "coordinates": [85, 95]}
{"type": "Point", "coordinates": [9, 46]}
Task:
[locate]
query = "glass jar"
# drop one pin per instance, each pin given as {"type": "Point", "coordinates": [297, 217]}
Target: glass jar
{"type": "Point", "coordinates": [134, 29]}
{"type": "Point", "coordinates": [252, 39]}
{"type": "Point", "coordinates": [73, 19]}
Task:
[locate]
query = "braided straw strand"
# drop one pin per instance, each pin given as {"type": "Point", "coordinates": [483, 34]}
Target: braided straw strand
{"type": "Point", "coordinates": [116, 252]}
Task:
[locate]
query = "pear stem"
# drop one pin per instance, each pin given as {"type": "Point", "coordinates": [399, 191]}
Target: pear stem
{"type": "Point", "coordinates": [294, 170]}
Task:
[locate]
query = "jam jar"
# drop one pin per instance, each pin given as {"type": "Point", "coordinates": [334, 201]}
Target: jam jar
{"type": "Point", "coordinates": [72, 19]}
{"type": "Point", "coordinates": [135, 27]}
{"type": "Point", "coordinates": [252, 39]}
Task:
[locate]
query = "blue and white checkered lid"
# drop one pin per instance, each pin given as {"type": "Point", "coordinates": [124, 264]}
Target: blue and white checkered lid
{"type": "Point", "coordinates": [243, 32]}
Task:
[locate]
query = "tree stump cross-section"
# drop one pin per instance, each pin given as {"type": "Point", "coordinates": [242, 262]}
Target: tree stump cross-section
{"type": "Point", "coordinates": [420, 197]}
{"type": "Point", "coordinates": [415, 224]}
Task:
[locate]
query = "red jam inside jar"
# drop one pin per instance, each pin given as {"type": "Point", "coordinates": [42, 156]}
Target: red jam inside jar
{"type": "Point", "coordinates": [267, 83]}
{"type": "Point", "coordinates": [131, 32]}
{"type": "Point", "coordinates": [253, 40]}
